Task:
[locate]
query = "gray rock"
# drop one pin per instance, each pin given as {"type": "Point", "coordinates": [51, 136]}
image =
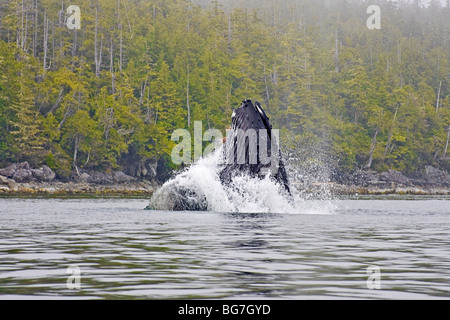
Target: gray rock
{"type": "Point", "coordinates": [447, 180]}
{"type": "Point", "coordinates": [9, 171]}
{"type": "Point", "coordinates": [49, 175]}
{"type": "Point", "coordinates": [419, 182]}
{"type": "Point", "coordinates": [430, 177]}
{"type": "Point", "coordinates": [434, 176]}
{"type": "Point", "coordinates": [23, 175]}
{"type": "Point", "coordinates": [24, 165]}
{"type": "Point", "coordinates": [152, 170]}
{"type": "Point", "coordinates": [43, 174]}
{"type": "Point", "coordinates": [22, 172]}
{"type": "Point", "coordinates": [7, 182]}
{"type": "Point", "coordinates": [364, 178]}
{"type": "Point", "coordinates": [395, 177]}
{"type": "Point", "coordinates": [140, 168]}
{"type": "Point", "coordinates": [4, 181]}
{"type": "Point", "coordinates": [100, 178]}
{"type": "Point", "coordinates": [91, 177]}
{"type": "Point", "coordinates": [434, 173]}
{"type": "Point", "coordinates": [84, 177]}
{"type": "Point", "coordinates": [120, 177]}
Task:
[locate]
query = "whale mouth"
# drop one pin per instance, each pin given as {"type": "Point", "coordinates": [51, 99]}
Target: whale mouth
{"type": "Point", "coordinates": [199, 188]}
{"type": "Point", "coordinates": [252, 147]}
{"type": "Point", "coordinates": [248, 169]}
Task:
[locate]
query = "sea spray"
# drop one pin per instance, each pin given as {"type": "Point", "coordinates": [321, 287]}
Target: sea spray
{"type": "Point", "coordinates": [200, 186]}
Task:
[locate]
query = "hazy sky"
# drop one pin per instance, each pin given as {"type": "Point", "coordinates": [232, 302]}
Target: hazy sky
{"type": "Point", "coordinates": [426, 2]}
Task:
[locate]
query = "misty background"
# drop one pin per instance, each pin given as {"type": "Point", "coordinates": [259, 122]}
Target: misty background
{"type": "Point", "coordinates": [108, 96]}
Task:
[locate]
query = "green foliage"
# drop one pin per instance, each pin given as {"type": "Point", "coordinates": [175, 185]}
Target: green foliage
{"type": "Point", "coordinates": [50, 161]}
{"type": "Point", "coordinates": [138, 70]}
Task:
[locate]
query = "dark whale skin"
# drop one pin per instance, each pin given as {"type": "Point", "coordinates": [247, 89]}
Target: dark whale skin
{"type": "Point", "coordinates": [248, 116]}
{"type": "Point", "coordinates": [251, 116]}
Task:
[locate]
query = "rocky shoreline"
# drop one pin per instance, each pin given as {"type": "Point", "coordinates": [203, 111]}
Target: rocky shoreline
{"type": "Point", "coordinates": [430, 181]}
{"type": "Point", "coordinates": [78, 189]}
{"type": "Point", "coordinates": [352, 190]}
{"type": "Point", "coordinates": [21, 179]}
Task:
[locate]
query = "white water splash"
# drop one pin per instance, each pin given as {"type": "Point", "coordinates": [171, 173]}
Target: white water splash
{"type": "Point", "coordinates": [244, 195]}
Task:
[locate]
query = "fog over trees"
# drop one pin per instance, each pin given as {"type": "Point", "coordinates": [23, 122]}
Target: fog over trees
{"type": "Point", "coordinates": [114, 90]}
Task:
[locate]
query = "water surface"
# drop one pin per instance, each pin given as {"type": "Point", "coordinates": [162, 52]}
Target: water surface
{"type": "Point", "coordinates": [124, 252]}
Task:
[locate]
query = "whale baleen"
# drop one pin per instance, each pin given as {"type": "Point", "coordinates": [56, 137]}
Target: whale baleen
{"type": "Point", "coordinates": [252, 146]}
{"type": "Point", "coordinates": [250, 150]}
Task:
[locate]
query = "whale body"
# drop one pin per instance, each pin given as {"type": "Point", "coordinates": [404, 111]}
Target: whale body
{"type": "Point", "coordinates": [251, 149]}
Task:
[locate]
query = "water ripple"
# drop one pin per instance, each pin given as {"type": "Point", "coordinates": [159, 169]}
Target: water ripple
{"type": "Point", "coordinates": [124, 252]}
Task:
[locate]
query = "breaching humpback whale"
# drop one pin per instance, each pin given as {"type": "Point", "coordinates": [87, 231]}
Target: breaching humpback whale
{"type": "Point", "coordinates": [250, 149]}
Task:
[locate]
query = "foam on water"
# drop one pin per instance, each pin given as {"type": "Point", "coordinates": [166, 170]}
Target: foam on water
{"type": "Point", "coordinates": [245, 195]}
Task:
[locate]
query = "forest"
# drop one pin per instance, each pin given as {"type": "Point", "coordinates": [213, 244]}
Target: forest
{"type": "Point", "coordinates": [112, 91]}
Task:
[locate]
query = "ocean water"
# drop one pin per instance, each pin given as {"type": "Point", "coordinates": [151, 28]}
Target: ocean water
{"type": "Point", "coordinates": [111, 248]}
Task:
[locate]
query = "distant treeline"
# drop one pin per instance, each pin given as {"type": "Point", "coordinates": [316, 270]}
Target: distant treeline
{"type": "Point", "coordinates": [114, 90]}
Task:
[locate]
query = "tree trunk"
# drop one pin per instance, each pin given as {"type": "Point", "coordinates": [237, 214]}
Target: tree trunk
{"type": "Point", "coordinates": [119, 20]}
{"type": "Point", "coordinates": [388, 143]}
{"type": "Point", "coordinates": [45, 42]}
{"type": "Point", "coordinates": [143, 89]}
{"type": "Point", "coordinates": [128, 20]}
{"type": "Point", "coordinates": [98, 55]}
{"type": "Point", "coordinates": [391, 132]}
{"type": "Point", "coordinates": [75, 154]}
{"type": "Point", "coordinates": [111, 68]}
{"type": "Point", "coordinates": [25, 46]}
{"type": "Point", "coordinates": [372, 149]}
{"type": "Point", "coordinates": [121, 49]}
{"type": "Point", "coordinates": [35, 36]}
{"type": "Point", "coordinates": [22, 37]}
{"type": "Point", "coordinates": [188, 26]}
{"type": "Point", "coordinates": [267, 87]}
{"type": "Point", "coordinates": [148, 118]}
{"type": "Point", "coordinates": [61, 15]}
{"type": "Point", "coordinates": [58, 101]}
{"type": "Point", "coordinates": [230, 39]}
{"type": "Point", "coordinates": [336, 52]}
{"type": "Point", "coordinates": [438, 96]}
{"type": "Point", "coordinates": [97, 71]}
{"type": "Point", "coordinates": [446, 143]}
{"type": "Point", "coordinates": [74, 47]}
{"type": "Point", "coordinates": [275, 76]}
{"type": "Point", "coordinates": [187, 99]}
{"type": "Point", "coordinates": [18, 27]}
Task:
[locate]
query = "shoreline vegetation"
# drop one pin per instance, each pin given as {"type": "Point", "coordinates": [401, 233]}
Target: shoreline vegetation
{"type": "Point", "coordinates": [21, 179]}
{"type": "Point", "coordinates": [146, 188]}
{"type": "Point", "coordinates": [106, 98]}
{"type": "Point", "coordinates": [78, 189]}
